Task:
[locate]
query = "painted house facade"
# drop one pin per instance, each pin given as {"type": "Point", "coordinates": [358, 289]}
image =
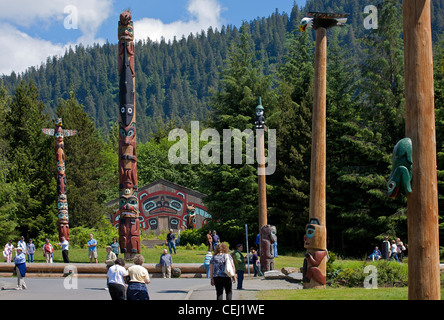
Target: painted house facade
{"type": "Point", "coordinates": [164, 205]}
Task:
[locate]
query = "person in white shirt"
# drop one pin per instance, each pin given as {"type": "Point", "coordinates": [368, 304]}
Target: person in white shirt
{"type": "Point", "coordinates": [394, 253]}
{"type": "Point", "coordinates": [116, 280]}
{"type": "Point", "coordinates": [65, 247]}
{"type": "Point", "coordinates": [22, 244]}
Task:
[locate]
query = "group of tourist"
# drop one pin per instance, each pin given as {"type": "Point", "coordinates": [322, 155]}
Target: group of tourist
{"type": "Point", "coordinates": [29, 249]}
{"type": "Point", "coordinates": [130, 283]}
{"type": "Point", "coordinates": [394, 250]}
{"type": "Point", "coordinates": [127, 283]}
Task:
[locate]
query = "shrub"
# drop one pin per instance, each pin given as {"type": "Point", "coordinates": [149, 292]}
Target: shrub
{"type": "Point", "coordinates": [388, 274]}
{"type": "Point", "coordinates": [79, 236]}
{"type": "Point", "coordinates": [191, 237]}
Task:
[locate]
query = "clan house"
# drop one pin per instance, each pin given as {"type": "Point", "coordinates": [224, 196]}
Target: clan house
{"type": "Point", "coordinates": [164, 205]}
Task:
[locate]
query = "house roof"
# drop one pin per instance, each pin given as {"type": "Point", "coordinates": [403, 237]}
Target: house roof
{"type": "Point", "coordinates": [168, 184]}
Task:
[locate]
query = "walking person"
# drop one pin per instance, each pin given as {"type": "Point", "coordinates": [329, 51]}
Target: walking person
{"type": "Point", "coordinates": [7, 252]}
{"type": "Point", "coordinates": [65, 247]}
{"type": "Point", "coordinates": [216, 240]}
{"type": "Point", "coordinates": [239, 264]}
{"type": "Point", "coordinates": [30, 249]}
{"type": "Point", "coordinates": [20, 268]}
{"type": "Point", "coordinates": [394, 251]}
{"type": "Point", "coordinates": [218, 277]}
{"type": "Point", "coordinates": [206, 263]}
{"type": "Point", "coordinates": [171, 239]}
{"type": "Point", "coordinates": [115, 279]}
{"type": "Point", "coordinates": [166, 262]}
{"type": "Point", "coordinates": [255, 262]}
{"type": "Point", "coordinates": [138, 279]}
{"type": "Point", "coordinates": [401, 249]}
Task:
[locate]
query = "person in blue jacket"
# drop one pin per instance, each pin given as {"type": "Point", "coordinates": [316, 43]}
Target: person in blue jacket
{"type": "Point", "coordinates": [376, 255]}
{"type": "Point", "coordinates": [20, 268]}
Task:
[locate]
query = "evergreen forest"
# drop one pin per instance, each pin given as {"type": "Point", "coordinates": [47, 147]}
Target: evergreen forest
{"type": "Point", "coordinates": [216, 77]}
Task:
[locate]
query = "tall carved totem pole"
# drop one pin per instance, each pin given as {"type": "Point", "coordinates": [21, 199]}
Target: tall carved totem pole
{"type": "Point", "coordinates": [62, 200]}
{"type": "Point", "coordinates": [315, 239]}
{"type": "Point", "coordinates": [129, 230]}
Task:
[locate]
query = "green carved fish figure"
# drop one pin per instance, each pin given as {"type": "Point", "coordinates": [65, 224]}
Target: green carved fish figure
{"type": "Point", "coordinates": [401, 175]}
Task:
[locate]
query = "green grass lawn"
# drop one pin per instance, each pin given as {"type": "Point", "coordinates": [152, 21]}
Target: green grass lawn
{"type": "Point", "coordinates": [338, 294]}
{"type": "Point", "coordinates": [152, 255]}
{"type": "Point", "coordinates": [335, 294]}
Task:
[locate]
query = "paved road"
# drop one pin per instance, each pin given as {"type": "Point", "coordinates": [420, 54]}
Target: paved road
{"type": "Point", "coordinates": [159, 289]}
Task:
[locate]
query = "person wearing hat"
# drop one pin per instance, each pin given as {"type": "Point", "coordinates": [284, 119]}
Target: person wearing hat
{"type": "Point", "coordinates": [20, 268]}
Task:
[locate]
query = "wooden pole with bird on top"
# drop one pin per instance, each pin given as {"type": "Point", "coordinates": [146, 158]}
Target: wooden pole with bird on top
{"type": "Point", "coordinates": [315, 238]}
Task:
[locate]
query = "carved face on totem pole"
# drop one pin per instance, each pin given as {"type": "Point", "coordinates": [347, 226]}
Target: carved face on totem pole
{"type": "Point", "coordinates": [127, 161]}
{"type": "Point", "coordinates": [315, 262]}
{"type": "Point", "coordinates": [125, 30]}
{"type": "Point", "coordinates": [315, 234]}
{"type": "Point", "coordinates": [128, 205]}
{"type": "Point", "coordinates": [61, 167]}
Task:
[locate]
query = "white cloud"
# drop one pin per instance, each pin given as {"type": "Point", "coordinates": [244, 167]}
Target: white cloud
{"type": "Point", "coordinates": [203, 14]}
{"type": "Point", "coordinates": [20, 51]}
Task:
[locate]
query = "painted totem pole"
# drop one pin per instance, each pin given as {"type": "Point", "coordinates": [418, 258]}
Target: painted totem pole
{"type": "Point", "coordinates": [315, 262]}
{"type": "Point", "coordinates": [62, 201]}
{"type": "Point", "coordinates": [129, 230]}
{"type": "Point", "coordinates": [267, 239]}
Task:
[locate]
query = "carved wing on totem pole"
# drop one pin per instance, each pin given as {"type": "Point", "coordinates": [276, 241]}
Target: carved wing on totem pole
{"type": "Point", "coordinates": [401, 175]}
{"type": "Point", "coordinates": [49, 132]}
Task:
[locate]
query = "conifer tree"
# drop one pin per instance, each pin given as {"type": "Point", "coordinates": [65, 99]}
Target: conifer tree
{"type": "Point", "coordinates": [292, 121]}
{"type": "Point", "coordinates": [32, 170]}
{"type": "Point", "coordinates": [232, 188]}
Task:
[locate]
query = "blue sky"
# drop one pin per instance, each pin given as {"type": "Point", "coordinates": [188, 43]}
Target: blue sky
{"type": "Point", "coordinates": [35, 30]}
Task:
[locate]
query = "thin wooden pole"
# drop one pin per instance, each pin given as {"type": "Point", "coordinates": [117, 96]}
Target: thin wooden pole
{"type": "Point", "coordinates": [422, 202]}
{"type": "Point", "coordinates": [261, 177]}
{"type": "Point", "coordinates": [261, 170]}
{"type": "Point", "coordinates": [318, 147]}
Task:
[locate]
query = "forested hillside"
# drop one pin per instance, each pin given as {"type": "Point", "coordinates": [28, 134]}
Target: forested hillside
{"type": "Point", "coordinates": [217, 77]}
{"type": "Point", "coordinates": [175, 79]}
